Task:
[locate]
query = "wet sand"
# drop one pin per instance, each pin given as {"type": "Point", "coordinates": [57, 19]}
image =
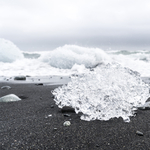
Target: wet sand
{"type": "Point", "coordinates": [36, 122]}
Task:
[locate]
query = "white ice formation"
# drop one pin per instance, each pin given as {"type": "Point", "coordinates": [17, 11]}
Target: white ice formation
{"type": "Point", "coordinates": [9, 52]}
{"type": "Point", "coordinates": [105, 92]}
{"type": "Point", "coordinates": [9, 98]}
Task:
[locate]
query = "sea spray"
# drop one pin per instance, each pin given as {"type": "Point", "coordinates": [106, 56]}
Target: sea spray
{"type": "Point", "coordinates": [106, 92]}
{"type": "Point", "coordinates": [67, 56]}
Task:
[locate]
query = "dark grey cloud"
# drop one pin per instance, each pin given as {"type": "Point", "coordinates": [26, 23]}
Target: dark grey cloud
{"type": "Point", "coordinates": [44, 24]}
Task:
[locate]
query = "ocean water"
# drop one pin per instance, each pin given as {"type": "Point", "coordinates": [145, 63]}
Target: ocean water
{"type": "Point", "coordinates": [66, 60]}
{"type": "Point", "coordinates": [100, 80]}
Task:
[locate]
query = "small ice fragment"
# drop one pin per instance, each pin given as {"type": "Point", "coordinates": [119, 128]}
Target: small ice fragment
{"type": "Point", "coordinates": [67, 123]}
{"type": "Point", "coordinates": [9, 98]}
{"type": "Point", "coordinates": [50, 115]}
{"type": "Point", "coordinates": [6, 87]}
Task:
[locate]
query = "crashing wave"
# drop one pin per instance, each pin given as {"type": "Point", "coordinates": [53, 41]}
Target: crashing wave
{"type": "Point", "coordinates": [9, 52]}
{"type": "Point", "coordinates": [102, 93]}
{"type": "Point", "coordinates": [67, 56]}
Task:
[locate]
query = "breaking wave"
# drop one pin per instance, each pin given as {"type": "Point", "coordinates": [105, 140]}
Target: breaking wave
{"type": "Point", "coordinates": [67, 56]}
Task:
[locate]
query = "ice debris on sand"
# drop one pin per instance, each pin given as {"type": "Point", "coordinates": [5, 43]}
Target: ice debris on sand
{"type": "Point", "coordinates": [107, 92]}
{"type": "Point", "coordinates": [67, 123]}
{"type": "Point", "coordinates": [6, 87]}
{"type": "Point", "coordinates": [9, 98]}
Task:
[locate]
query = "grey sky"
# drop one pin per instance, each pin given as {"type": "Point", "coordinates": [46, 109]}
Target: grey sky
{"type": "Point", "coordinates": [47, 24]}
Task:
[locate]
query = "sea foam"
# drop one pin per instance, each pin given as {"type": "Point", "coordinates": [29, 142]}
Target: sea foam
{"type": "Point", "coordinates": [105, 92]}
{"type": "Point", "coordinates": [67, 56]}
{"type": "Point", "coordinates": [9, 52]}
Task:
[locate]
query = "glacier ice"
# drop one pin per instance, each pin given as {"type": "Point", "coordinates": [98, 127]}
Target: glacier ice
{"type": "Point", "coordinates": [104, 92]}
{"type": "Point", "coordinates": [9, 98]}
{"type": "Point", "coordinates": [9, 52]}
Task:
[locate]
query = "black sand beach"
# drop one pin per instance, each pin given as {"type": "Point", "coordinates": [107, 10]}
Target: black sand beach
{"type": "Point", "coordinates": [34, 124]}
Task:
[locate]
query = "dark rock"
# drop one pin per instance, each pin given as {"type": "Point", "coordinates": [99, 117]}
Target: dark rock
{"type": "Point", "coordinates": [67, 115]}
{"type": "Point", "coordinates": [97, 145]}
{"type": "Point", "coordinates": [55, 129]}
{"type": "Point", "coordinates": [20, 78]}
{"type": "Point", "coordinates": [39, 84]}
{"type": "Point", "coordinates": [52, 106]}
{"type": "Point", "coordinates": [67, 109]}
{"type": "Point", "coordinates": [6, 87]}
{"type": "Point", "coordinates": [139, 133]}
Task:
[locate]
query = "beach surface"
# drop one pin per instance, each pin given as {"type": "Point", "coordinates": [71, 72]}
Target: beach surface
{"type": "Point", "coordinates": [36, 123]}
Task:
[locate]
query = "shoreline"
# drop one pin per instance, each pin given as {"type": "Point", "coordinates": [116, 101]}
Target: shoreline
{"type": "Point", "coordinates": [36, 122]}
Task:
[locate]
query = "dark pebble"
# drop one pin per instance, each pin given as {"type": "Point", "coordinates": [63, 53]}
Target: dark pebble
{"type": "Point", "coordinates": [52, 106]}
{"type": "Point", "coordinates": [67, 115]}
{"type": "Point", "coordinates": [39, 84]}
{"type": "Point", "coordinates": [20, 78]}
{"type": "Point", "coordinates": [55, 129]}
{"type": "Point", "coordinates": [97, 145]}
{"type": "Point", "coordinates": [67, 109]}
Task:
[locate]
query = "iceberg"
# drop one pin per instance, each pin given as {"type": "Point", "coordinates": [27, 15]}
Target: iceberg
{"type": "Point", "coordinates": [104, 92]}
{"type": "Point", "coordinates": [9, 52]}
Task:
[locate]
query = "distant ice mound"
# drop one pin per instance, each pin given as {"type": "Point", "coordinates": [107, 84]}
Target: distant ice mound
{"type": "Point", "coordinates": [106, 92]}
{"type": "Point", "coordinates": [67, 56]}
{"type": "Point", "coordinates": [9, 52]}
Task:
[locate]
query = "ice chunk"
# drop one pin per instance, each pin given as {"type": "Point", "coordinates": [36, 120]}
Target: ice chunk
{"type": "Point", "coordinates": [9, 98]}
{"type": "Point", "coordinates": [9, 52]}
{"type": "Point", "coordinates": [106, 92]}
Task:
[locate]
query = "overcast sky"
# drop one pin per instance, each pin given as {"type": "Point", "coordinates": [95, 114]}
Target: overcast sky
{"type": "Point", "coordinates": [47, 24]}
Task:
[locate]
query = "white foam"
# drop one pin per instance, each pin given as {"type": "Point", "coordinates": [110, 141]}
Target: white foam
{"type": "Point", "coordinates": [67, 56]}
{"type": "Point", "coordinates": [9, 52]}
{"type": "Point", "coordinates": [66, 60]}
{"type": "Point", "coordinates": [107, 92]}
{"type": "Point", "coordinates": [135, 60]}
